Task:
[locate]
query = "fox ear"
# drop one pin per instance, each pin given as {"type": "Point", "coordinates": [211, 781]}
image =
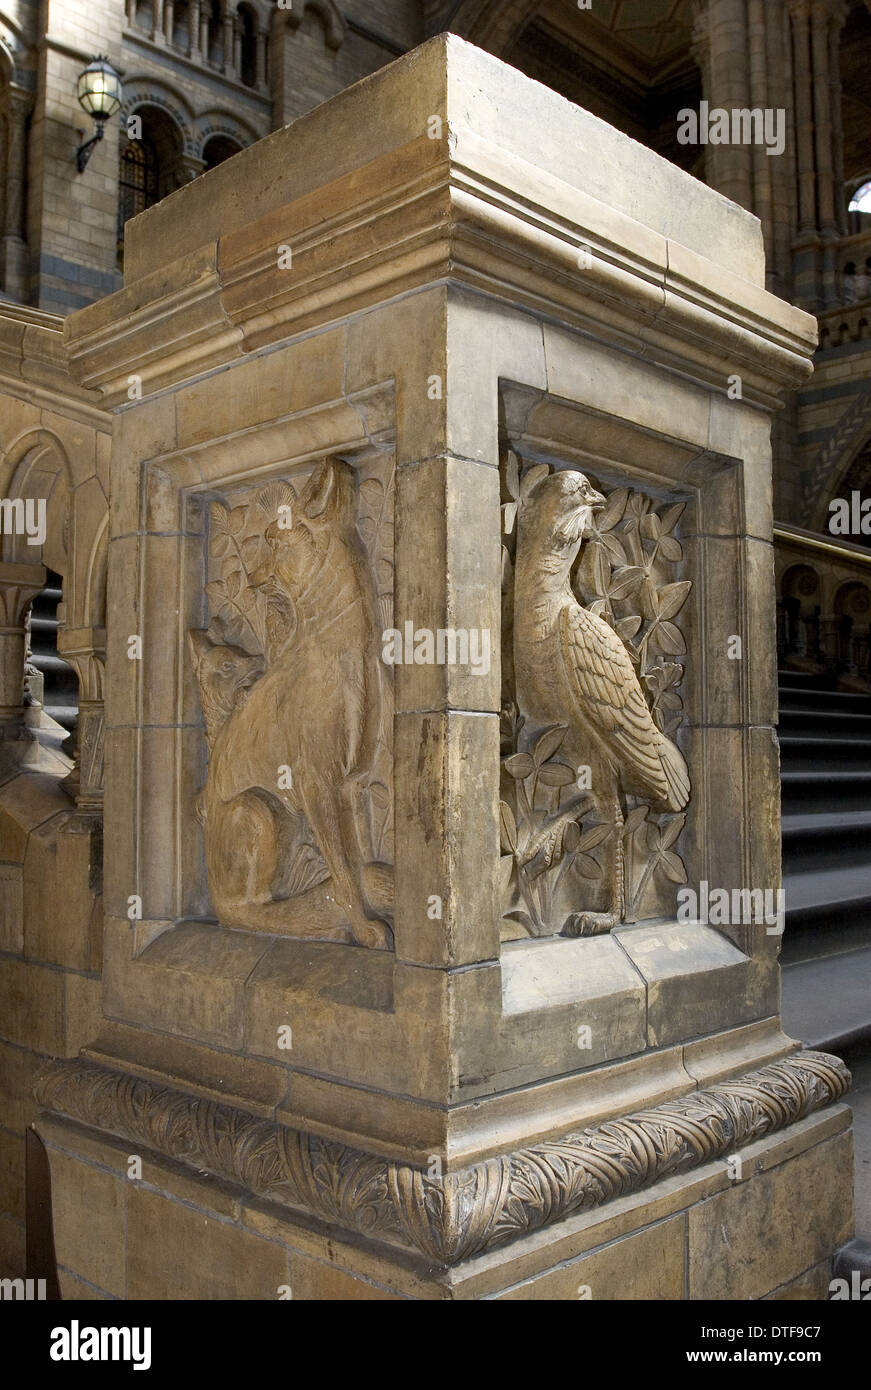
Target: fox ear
{"type": "Point", "coordinates": [321, 490]}
{"type": "Point", "coordinates": [200, 643]}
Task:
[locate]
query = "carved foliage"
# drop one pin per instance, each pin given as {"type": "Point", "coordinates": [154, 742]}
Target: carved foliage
{"type": "Point", "coordinates": [486, 1204]}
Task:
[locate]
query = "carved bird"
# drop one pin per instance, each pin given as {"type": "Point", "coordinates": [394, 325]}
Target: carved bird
{"type": "Point", "coordinates": [572, 668]}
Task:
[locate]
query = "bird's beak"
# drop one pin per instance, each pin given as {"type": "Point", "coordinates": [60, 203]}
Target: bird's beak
{"type": "Point", "coordinates": [595, 500]}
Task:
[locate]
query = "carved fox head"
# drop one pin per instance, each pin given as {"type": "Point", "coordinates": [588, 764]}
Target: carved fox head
{"type": "Point", "coordinates": [299, 544]}
{"type": "Point", "coordinates": [225, 675]}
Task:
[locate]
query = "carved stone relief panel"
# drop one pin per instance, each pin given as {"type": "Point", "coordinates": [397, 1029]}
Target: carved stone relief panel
{"type": "Point", "coordinates": [297, 808]}
{"type": "Point", "coordinates": [594, 790]}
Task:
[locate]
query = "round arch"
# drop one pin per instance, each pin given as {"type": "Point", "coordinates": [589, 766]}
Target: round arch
{"type": "Point", "coordinates": [142, 92]}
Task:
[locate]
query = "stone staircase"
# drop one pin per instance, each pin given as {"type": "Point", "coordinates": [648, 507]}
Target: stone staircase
{"type": "Point", "coordinates": [825, 749]}
{"type": "Point", "coordinates": [59, 693]}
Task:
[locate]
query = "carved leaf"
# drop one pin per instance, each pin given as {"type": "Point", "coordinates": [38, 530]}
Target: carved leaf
{"type": "Point", "coordinates": [572, 837]}
{"type": "Point", "coordinates": [276, 495]}
{"type": "Point", "coordinates": [669, 639]}
{"type": "Point", "coordinates": [672, 866]}
{"type": "Point", "coordinates": [532, 478]}
{"type": "Point", "coordinates": [368, 530]}
{"type": "Point", "coordinates": [220, 518]}
{"type": "Point", "coordinates": [672, 831]}
{"type": "Point", "coordinates": [670, 549]}
{"type": "Point", "coordinates": [628, 627]}
{"type": "Point", "coordinates": [588, 866]}
{"type": "Point", "coordinates": [595, 836]}
{"type": "Point", "coordinates": [233, 581]}
{"type": "Point", "coordinates": [613, 510]}
{"type": "Point", "coordinates": [517, 914]}
{"type": "Point", "coordinates": [519, 766]}
{"type": "Point", "coordinates": [626, 581]}
{"type": "Point", "coordinates": [512, 476]}
{"type": "Point", "coordinates": [221, 545]}
{"type": "Point", "coordinates": [634, 820]}
{"type": "Point", "coordinates": [671, 516]}
{"type": "Point", "coordinates": [651, 527]}
{"type": "Point", "coordinates": [237, 518]}
{"type": "Point", "coordinates": [372, 491]}
{"type": "Point", "coordinates": [217, 593]}
{"type": "Point", "coordinates": [508, 827]}
{"type": "Point", "coordinates": [379, 795]}
{"type": "Point", "coordinates": [509, 515]}
{"type": "Point", "coordinates": [672, 597]}
{"type": "Point", "coordinates": [616, 553]}
{"type": "Point", "coordinates": [506, 869]}
{"type": "Point", "coordinates": [556, 775]}
{"type": "Point", "coordinates": [548, 742]}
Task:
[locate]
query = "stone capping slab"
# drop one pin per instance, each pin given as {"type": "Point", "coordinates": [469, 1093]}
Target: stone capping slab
{"type": "Point", "coordinates": [451, 1217]}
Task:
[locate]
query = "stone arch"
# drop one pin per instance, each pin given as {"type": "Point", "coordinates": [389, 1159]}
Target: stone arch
{"type": "Point", "coordinates": [329, 15]}
{"type": "Point", "coordinates": [148, 91]}
{"type": "Point", "coordinates": [36, 467]}
{"type": "Point", "coordinates": [851, 435]}
{"type": "Point", "coordinates": [225, 123]}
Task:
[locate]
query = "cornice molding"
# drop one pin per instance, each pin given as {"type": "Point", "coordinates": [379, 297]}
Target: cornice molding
{"type": "Point", "coordinates": [467, 213]}
{"type": "Point", "coordinates": [451, 1217]}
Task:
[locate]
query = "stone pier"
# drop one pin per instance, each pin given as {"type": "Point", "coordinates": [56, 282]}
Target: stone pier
{"type": "Point", "coordinates": [441, 782]}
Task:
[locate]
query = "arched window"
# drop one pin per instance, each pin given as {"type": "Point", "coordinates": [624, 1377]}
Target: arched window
{"type": "Point", "coordinates": [217, 149]}
{"type": "Point", "coordinates": [149, 167]}
{"type": "Point", "coordinates": [181, 26]}
{"type": "Point", "coordinates": [861, 199]}
{"type": "Point", "coordinates": [215, 53]}
{"type": "Point", "coordinates": [248, 49]}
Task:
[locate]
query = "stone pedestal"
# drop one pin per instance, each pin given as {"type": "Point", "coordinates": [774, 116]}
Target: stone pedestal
{"type": "Point", "coordinates": [440, 667]}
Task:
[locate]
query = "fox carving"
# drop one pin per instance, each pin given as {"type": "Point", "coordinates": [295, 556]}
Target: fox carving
{"type": "Point", "coordinates": [315, 707]}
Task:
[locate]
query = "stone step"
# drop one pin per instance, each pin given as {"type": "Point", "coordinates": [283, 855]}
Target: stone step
{"type": "Point", "coordinates": [827, 1001]}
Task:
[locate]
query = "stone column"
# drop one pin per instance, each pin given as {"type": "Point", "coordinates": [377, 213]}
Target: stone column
{"type": "Point", "coordinates": [836, 24]}
{"type": "Point", "coordinates": [19, 585]}
{"type": "Point", "coordinates": [262, 38]}
{"type": "Point", "coordinates": [157, 33]}
{"type": "Point", "coordinates": [731, 165]}
{"type": "Point", "coordinates": [204, 29]}
{"type": "Point", "coordinates": [15, 268]}
{"type": "Point", "coordinates": [237, 46]}
{"type": "Point", "coordinates": [229, 40]}
{"type": "Point", "coordinates": [85, 650]}
{"type": "Point", "coordinates": [168, 19]}
{"type": "Point", "coordinates": [763, 204]}
{"type": "Point", "coordinates": [194, 47]}
{"type": "Point", "coordinates": [780, 94]}
{"type": "Point", "coordinates": [800, 16]}
{"type": "Point", "coordinates": [130, 11]}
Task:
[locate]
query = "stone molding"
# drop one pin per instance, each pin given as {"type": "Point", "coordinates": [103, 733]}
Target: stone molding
{"type": "Point", "coordinates": [450, 1217]}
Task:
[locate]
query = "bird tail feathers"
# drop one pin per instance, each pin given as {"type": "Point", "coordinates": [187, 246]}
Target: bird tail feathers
{"type": "Point", "coordinates": [676, 775]}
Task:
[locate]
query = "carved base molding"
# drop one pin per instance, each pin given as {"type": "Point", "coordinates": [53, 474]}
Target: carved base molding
{"type": "Point", "coordinates": [452, 1217]}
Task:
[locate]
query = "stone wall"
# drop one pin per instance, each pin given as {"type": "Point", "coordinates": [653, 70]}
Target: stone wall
{"type": "Point", "coordinates": [54, 447]}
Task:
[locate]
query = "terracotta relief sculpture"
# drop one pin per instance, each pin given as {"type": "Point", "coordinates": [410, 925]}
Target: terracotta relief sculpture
{"type": "Point", "coordinates": [581, 735]}
{"type": "Point", "coordinates": [299, 731]}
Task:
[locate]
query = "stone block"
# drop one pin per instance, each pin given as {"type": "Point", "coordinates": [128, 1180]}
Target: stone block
{"type": "Point", "coordinates": [761, 1235]}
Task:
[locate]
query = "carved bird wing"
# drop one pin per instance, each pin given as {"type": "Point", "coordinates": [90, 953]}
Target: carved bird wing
{"type": "Point", "coordinates": [611, 701]}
